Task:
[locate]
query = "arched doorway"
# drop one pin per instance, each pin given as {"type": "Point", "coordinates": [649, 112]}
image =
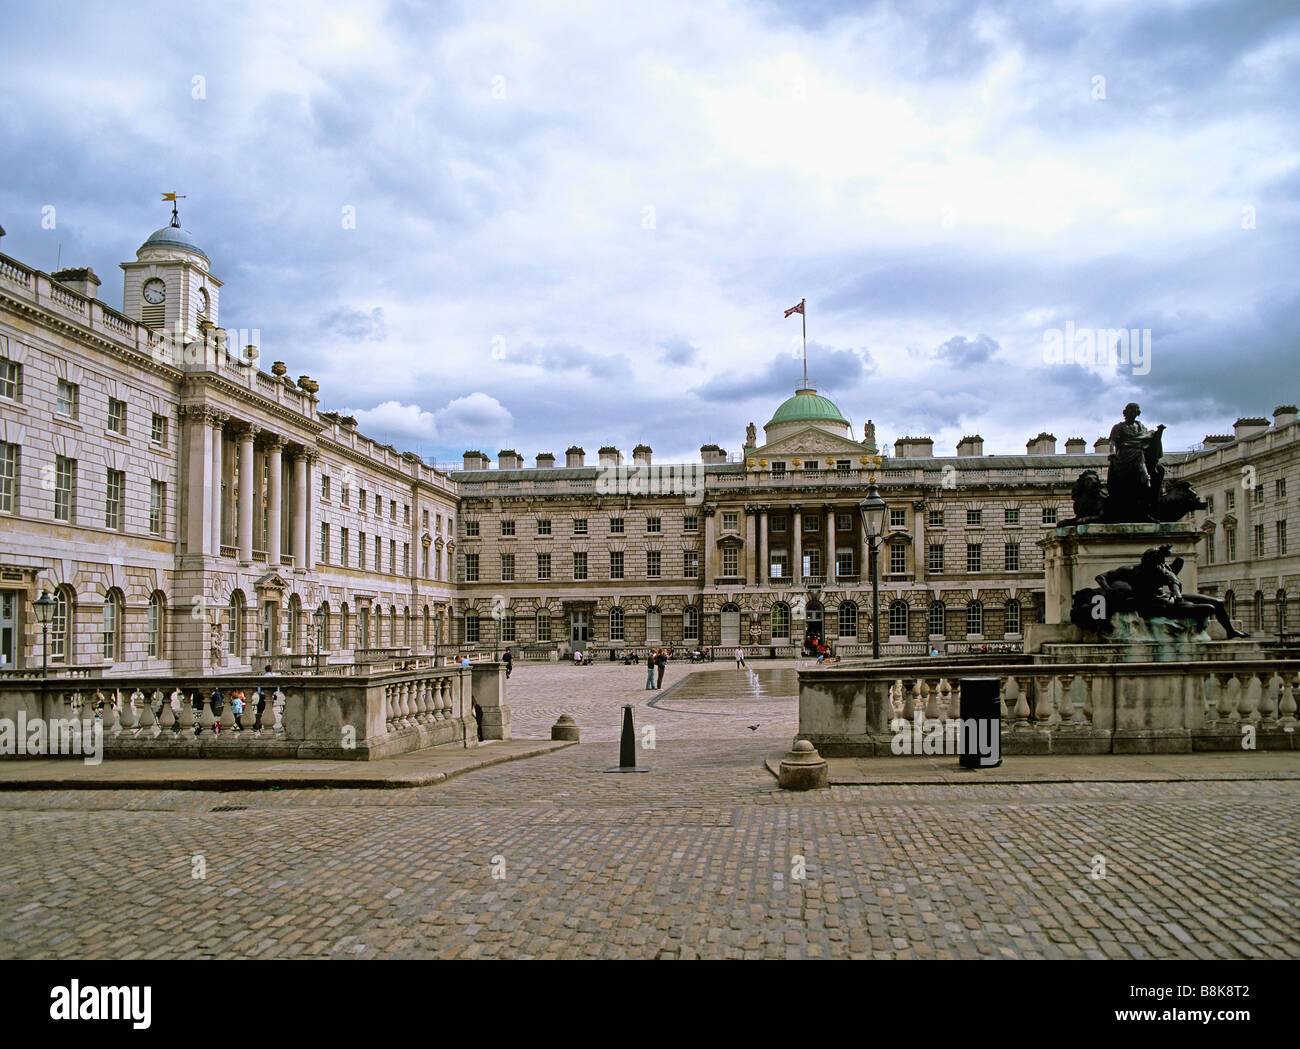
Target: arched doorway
{"type": "Point", "coordinates": [730, 625]}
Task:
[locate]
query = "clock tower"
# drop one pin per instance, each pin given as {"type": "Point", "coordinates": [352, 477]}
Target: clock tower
{"type": "Point", "coordinates": [169, 286]}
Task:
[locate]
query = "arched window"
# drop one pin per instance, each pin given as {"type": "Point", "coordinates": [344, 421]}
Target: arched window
{"type": "Point", "coordinates": [616, 624]}
{"type": "Point", "coordinates": [654, 626]}
{"type": "Point", "coordinates": [157, 625]}
{"type": "Point", "coordinates": [295, 621]}
{"type": "Point", "coordinates": [898, 619]}
{"type": "Point", "coordinates": [112, 633]}
{"type": "Point", "coordinates": [934, 619]}
{"type": "Point", "coordinates": [62, 627]}
{"type": "Point", "coordinates": [691, 623]}
{"type": "Point", "coordinates": [975, 618]}
{"type": "Point", "coordinates": [848, 619]}
{"type": "Point", "coordinates": [543, 625]}
{"type": "Point", "coordinates": [235, 624]}
{"type": "Point", "coordinates": [730, 624]}
{"type": "Point", "coordinates": [781, 621]}
{"type": "Point", "coordinates": [1013, 617]}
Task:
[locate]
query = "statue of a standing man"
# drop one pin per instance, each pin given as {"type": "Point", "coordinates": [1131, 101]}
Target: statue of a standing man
{"type": "Point", "coordinates": [1135, 473]}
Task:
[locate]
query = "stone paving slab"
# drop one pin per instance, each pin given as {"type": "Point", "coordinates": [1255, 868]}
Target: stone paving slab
{"type": "Point", "coordinates": [1101, 768]}
{"type": "Point", "coordinates": [418, 769]}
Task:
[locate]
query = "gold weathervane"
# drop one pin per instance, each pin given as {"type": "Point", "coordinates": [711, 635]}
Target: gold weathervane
{"type": "Point", "coordinates": [174, 197]}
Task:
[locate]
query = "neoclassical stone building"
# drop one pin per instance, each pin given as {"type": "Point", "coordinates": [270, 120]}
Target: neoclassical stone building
{"type": "Point", "coordinates": [189, 510]}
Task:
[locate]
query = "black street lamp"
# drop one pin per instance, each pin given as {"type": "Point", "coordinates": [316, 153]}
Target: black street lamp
{"type": "Point", "coordinates": [44, 606]}
{"type": "Point", "coordinates": [873, 509]}
{"type": "Point", "coordinates": [318, 621]}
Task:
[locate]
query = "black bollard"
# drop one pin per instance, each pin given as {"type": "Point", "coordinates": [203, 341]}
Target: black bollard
{"type": "Point", "coordinates": [627, 745]}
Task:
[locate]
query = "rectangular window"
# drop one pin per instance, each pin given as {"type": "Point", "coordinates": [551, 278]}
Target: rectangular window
{"type": "Point", "coordinates": [1230, 541]}
{"type": "Point", "coordinates": [471, 628]}
{"type": "Point", "coordinates": [779, 567]}
{"type": "Point", "coordinates": [1279, 489]}
{"type": "Point", "coordinates": [157, 506]}
{"type": "Point", "coordinates": [507, 568]}
{"type": "Point", "coordinates": [1259, 538]}
{"type": "Point", "coordinates": [543, 567]}
{"type": "Point", "coordinates": [653, 564]}
{"type": "Point", "coordinates": [1049, 515]}
{"type": "Point", "coordinates": [379, 504]}
{"type": "Point", "coordinates": [406, 559]}
{"type": "Point", "coordinates": [579, 565]}
{"type": "Point", "coordinates": [343, 547]}
{"type": "Point", "coordinates": [843, 465]}
{"type": "Point", "coordinates": [471, 529]}
{"type": "Point", "coordinates": [65, 489]}
{"type": "Point", "coordinates": [392, 509]}
{"type": "Point", "coordinates": [424, 520]}
{"type": "Point", "coordinates": [691, 564]}
{"type": "Point", "coordinates": [543, 526]}
{"type": "Point", "coordinates": [324, 486]}
{"type": "Point", "coordinates": [812, 523]}
{"type": "Point", "coordinates": [471, 568]}
{"type": "Point", "coordinates": [690, 523]}
{"type": "Point", "coordinates": [379, 554]}
{"type": "Point", "coordinates": [843, 522]}
{"type": "Point", "coordinates": [1209, 505]}
{"type": "Point", "coordinates": [731, 521]}
{"type": "Point", "coordinates": [777, 523]}
{"type": "Point", "coordinates": [1209, 548]}
{"type": "Point", "coordinates": [935, 519]}
{"type": "Point", "coordinates": [974, 557]}
{"type": "Point", "coordinates": [543, 626]}
{"type": "Point", "coordinates": [616, 526]}
{"type": "Point", "coordinates": [1259, 495]}
{"type": "Point", "coordinates": [579, 526]}
{"type": "Point", "coordinates": [731, 561]}
{"type": "Point", "coordinates": [1011, 516]}
{"type": "Point", "coordinates": [811, 465]}
{"type": "Point", "coordinates": [844, 563]}
{"type": "Point", "coordinates": [507, 627]}
{"type": "Point", "coordinates": [406, 513]}
{"type": "Point", "coordinates": [158, 430]}
{"type": "Point", "coordinates": [507, 527]}
{"type": "Point", "coordinates": [361, 549]}
{"type": "Point", "coordinates": [345, 494]}
{"type": "Point", "coordinates": [67, 400]}
{"type": "Point", "coordinates": [424, 561]}
{"type": "Point", "coordinates": [616, 564]}
{"type": "Point", "coordinates": [653, 524]}
{"type": "Point", "coordinates": [8, 477]}
{"type": "Point", "coordinates": [897, 518]}
{"type": "Point", "coordinates": [324, 543]}
{"type": "Point", "coordinates": [778, 469]}
{"type": "Point", "coordinates": [1012, 554]}
{"type": "Point", "coordinates": [392, 556]}
{"type": "Point", "coordinates": [361, 500]}
{"type": "Point", "coordinates": [934, 558]}
{"type": "Point", "coordinates": [974, 517]}
{"type": "Point", "coordinates": [1281, 539]}
{"type": "Point", "coordinates": [897, 558]}
{"type": "Point", "coordinates": [1230, 499]}
{"type": "Point", "coordinates": [10, 379]}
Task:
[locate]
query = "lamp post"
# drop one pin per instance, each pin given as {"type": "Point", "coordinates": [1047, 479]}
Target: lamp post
{"type": "Point", "coordinates": [318, 621]}
{"type": "Point", "coordinates": [872, 509]}
{"type": "Point", "coordinates": [44, 606]}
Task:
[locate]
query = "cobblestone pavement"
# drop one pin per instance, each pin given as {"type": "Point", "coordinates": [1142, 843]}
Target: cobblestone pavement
{"type": "Point", "coordinates": [697, 701]}
{"type": "Point", "coordinates": [551, 857]}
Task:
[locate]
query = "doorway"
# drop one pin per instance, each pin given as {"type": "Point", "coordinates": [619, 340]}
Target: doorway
{"type": "Point", "coordinates": [8, 629]}
{"type": "Point", "coordinates": [578, 627]}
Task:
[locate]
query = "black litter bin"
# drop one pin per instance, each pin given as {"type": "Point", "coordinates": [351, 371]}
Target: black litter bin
{"type": "Point", "coordinates": [981, 723]}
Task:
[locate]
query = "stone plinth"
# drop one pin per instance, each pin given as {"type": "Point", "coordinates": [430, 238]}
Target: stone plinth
{"type": "Point", "coordinates": [1074, 556]}
{"type": "Point", "coordinates": [803, 768]}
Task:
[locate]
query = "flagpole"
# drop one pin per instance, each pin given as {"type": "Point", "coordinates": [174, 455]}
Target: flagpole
{"type": "Point", "coordinates": [803, 317]}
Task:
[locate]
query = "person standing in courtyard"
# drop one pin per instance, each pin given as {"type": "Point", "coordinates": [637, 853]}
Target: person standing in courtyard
{"type": "Point", "coordinates": [510, 663]}
{"type": "Point", "coordinates": [661, 663]}
{"type": "Point", "coordinates": [740, 658]}
{"type": "Point", "coordinates": [650, 668]}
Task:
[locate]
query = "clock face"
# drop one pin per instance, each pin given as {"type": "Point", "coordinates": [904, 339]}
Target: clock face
{"type": "Point", "coordinates": [154, 291]}
{"type": "Point", "coordinates": [203, 300]}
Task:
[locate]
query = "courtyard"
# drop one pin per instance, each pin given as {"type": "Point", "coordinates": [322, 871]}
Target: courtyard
{"type": "Point", "coordinates": [549, 857]}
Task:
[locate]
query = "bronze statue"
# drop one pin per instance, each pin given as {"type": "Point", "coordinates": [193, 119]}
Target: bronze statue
{"type": "Point", "coordinates": [1089, 500]}
{"type": "Point", "coordinates": [1150, 588]}
{"type": "Point", "coordinates": [1135, 474]}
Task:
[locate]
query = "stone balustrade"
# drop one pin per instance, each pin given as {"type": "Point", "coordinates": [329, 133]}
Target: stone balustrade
{"type": "Point", "coordinates": [372, 712]}
{"type": "Point", "coordinates": [1081, 708]}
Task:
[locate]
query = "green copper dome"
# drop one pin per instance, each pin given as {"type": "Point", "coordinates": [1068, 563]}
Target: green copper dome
{"type": "Point", "coordinates": [807, 405]}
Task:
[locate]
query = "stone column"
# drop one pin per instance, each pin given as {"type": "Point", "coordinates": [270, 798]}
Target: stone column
{"type": "Point", "coordinates": [198, 488]}
{"type": "Point", "coordinates": [829, 510]}
{"type": "Point", "coordinates": [246, 439]}
{"type": "Point", "coordinates": [273, 496]}
{"type": "Point", "coordinates": [796, 544]}
{"type": "Point", "coordinates": [300, 537]}
{"type": "Point", "coordinates": [710, 544]}
{"type": "Point", "coordinates": [751, 546]}
{"type": "Point", "coordinates": [764, 569]}
{"type": "Point", "coordinates": [218, 422]}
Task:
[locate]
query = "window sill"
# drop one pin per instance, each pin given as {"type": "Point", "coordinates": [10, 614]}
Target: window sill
{"type": "Point", "coordinates": [13, 405]}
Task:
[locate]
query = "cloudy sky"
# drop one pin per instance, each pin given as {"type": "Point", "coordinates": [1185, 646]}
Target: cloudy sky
{"type": "Point", "coordinates": [528, 225]}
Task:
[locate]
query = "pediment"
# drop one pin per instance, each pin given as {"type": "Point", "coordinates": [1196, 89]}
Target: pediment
{"type": "Point", "coordinates": [271, 581]}
{"type": "Point", "coordinates": [811, 441]}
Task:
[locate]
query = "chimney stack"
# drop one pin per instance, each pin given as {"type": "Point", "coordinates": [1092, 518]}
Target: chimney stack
{"type": "Point", "coordinates": [971, 446]}
{"type": "Point", "coordinates": [1285, 415]}
{"type": "Point", "coordinates": [610, 456]}
{"type": "Point", "coordinates": [1043, 444]}
{"type": "Point", "coordinates": [641, 455]}
{"type": "Point", "coordinates": [914, 448]}
{"type": "Point", "coordinates": [82, 281]}
{"type": "Point", "coordinates": [475, 460]}
{"type": "Point", "coordinates": [711, 453]}
{"type": "Point", "coordinates": [575, 456]}
{"type": "Point", "coordinates": [1247, 426]}
{"type": "Point", "coordinates": [1076, 446]}
{"type": "Point", "coordinates": [1101, 446]}
{"type": "Point", "coordinates": [509, 459]}
{"type": "Point", "coordinates": [545, 461]}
